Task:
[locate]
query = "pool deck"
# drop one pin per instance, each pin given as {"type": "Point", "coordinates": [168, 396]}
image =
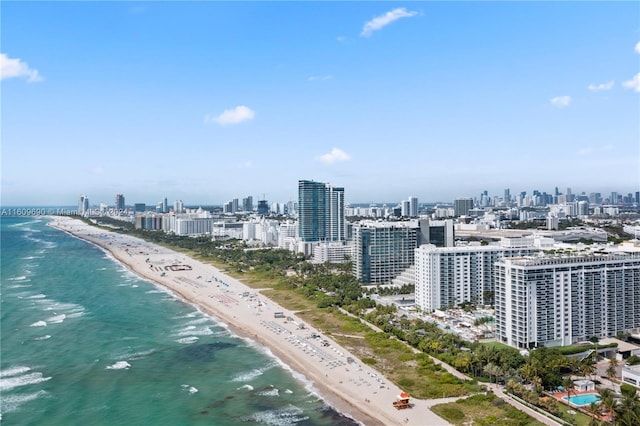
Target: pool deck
{"type": "Point", "coordinates": [560, 395]}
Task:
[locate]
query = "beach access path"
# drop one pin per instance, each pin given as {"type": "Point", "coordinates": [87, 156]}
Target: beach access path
{"type": "Point", "coordinates": [337, 375]}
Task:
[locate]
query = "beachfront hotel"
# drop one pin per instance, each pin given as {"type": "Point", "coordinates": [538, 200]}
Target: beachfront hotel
{"type": "Point", "coordinates": [449, 276]}
{"type": "Point", "coordinates": [560, 300]}
{"type": "Point", "coordinates": [383, 250]}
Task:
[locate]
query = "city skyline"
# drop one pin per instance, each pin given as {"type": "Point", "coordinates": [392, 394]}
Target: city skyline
{"type": "Point", "coordinates": [208, 101]}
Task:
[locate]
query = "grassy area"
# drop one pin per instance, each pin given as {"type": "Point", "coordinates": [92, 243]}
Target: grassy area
{"type": "Point", "coordinates": [483, 410]}
{"type": "Point", "coordinates": [289, 299]}
{"type": "Point", "coordinates": [580, 419]}
{"type": "Point", "coordinates": [497, 345]}
{"type": "Point", "coordinates": [414, 372]}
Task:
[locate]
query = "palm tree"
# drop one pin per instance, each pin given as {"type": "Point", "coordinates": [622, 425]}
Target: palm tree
{"type": "Point", "coordinates": [587, 367]}
{"type": "Point", "coordinates": [594, 412]}
{"type": "Point", "coordinates": [611, 371]}
{"type": "Point", "coordinates": [608, 401]}
{"type": "Point", "coordinates": [567, 384]}
{"type": "Point", "coordinates": [627, 412]}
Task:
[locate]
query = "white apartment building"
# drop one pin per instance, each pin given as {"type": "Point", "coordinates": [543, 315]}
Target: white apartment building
{"type": "Point", "coordinates": [448, 276]}
{"type": "Point", "coordinates": [563, 299]}
{"type": "Point", "coordinates": [332, 252]}
{"type": "Point", "coordinates": [631, 374]}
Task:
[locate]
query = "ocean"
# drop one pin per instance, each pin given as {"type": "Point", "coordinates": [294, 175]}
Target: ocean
{"type": "Point", "coordinates": [85, 341]}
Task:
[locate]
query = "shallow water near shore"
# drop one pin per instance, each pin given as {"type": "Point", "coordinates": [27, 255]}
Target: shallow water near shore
{"type": "Point", "coordinates": [85, 341]}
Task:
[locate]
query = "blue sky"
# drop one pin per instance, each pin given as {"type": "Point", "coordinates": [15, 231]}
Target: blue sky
{"type": "Point", "coordinates": [206, 101]}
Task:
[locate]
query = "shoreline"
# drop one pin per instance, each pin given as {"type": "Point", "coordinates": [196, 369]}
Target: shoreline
{"type": "Point", "coordinates": [343, 382]}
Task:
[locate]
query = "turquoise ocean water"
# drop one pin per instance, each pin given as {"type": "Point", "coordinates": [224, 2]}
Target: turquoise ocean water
{"type": "Point", "coordinates": [85, 341]}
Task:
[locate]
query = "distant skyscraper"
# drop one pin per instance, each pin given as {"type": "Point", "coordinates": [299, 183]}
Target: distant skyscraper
{"type": "Point", "coordinates": [247, 204]}
{"type": "Point", "coordinates": [507, 196]}
{"type": "Point", "coordinates": [178, 206]}
{"type": "Point", "coordinates": [83, 205]}
{"type": "Point", "coordinates": [404, 208]}
{"type": "Point", "coordinates": [263, 207]}
{"type": "Point", "coordinates": [165, 205]}
{"type": "Point", "coordinates": [413, 206]}
{"type": "Point", "coordinates": [320, 212]}
{"type": "Point", "coordinates": [119, 202]}
{"type": "Point", "coordinates": [462, 206]}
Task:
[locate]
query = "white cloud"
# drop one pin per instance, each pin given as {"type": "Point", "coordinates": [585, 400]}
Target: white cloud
{"type": "Point", "coordinates": [561, 101]}
{"type": "Point", "coordinates": [320, 78]}
{"type": "Point", "coordinates": [379, 22]}
{"type": "Point", "coordinates": [600, 87]}
{"type": "Point", "coordinates": [10, 68]}
{"type": "Point", "coordinates": [231, 116]}
{"type": "Point", "coordinates": [634, 83]}
{"type": "Point", "coordinates": [334, 156]}
{"type": "Point", "coordinates": [638, 47]}
{"type": "Point", "coordinates": [585, 151]}
{"type": "Point", "coordinates": [246, 165]}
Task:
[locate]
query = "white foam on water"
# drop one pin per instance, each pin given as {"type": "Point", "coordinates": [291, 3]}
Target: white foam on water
{"type": "Point", "coordinates": [101, 269]}
{"type": "Point", "coordinates": [39, 324]}
{"type": "Point", "coordinates": [45, 337]}
{"type": "Point", "coordinates": [20, 278]}
{"type": "Point", "coordinates": [286, 416]}
{"type": "Point", "coordinates": [135, 286]}
{"type": "Point", "coordinates": [247, 376]}
{"type": "Point", "coordinates": [190, 389]}
{"type": "Point", "coordinates": [8, 383]}
{"type": "Point", "coordinates": [271, 392]}
{"type": "Point", "coordinates": [288, 391]}
{"type": "Point", "coordinates": [13, 371]}
{"type": "Point", "coordinates": [20, 285]}
{"type": "Point", "coordinates": [189, 315]}
{"type": "Point", "coordinates": [37, 296]}
{"type": "Point", "coordinates": [199, 321]}
{"type": "Point", "coordinates": [206, 331]}
{"type": "Point", "coordinates": [57, 319]}
{"type": "Point", "coordinates": [120, 365]}
{"type": "Point", "coordinates": [247, 387]}
{"type": "Point", "coordinates": [140, 355]}
{"type": "Point", "coordinates": [12, 403]}
{"type": "Point", "coordinates": [32, 257]}
{"type": "Point", "coordinates": [188, 340]}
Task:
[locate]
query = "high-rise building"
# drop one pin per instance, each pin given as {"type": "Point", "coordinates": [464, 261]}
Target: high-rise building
{"type": "Point", "coordinates": [448, 276]}
{"type": "Point", "coordinates": [382, 250]}
{"type": "Point", "coordinates": [83, 205]}
{"type": "Point", "coordinates": [139, 207]}
{"type": "Point", "coordinates": [119, 205]}
{"type": "Point", "coordinates": [413, 206]}
{"type": "Point", "coordinates": [263, 207]}
{"type": "Point", "coordinates": [462, 206]}
{"type": "Point", "coordinates": [440, 233]}
{"type": "Point", "coordinates": [405, 207]}
{"type": "Point", "coordinates": [178, 206]}
{"type": "Point", "coordinates": [320, 212]}
{"type": "Point", "coordinates": [165, 205]}
{"type": "Point", "coordinates": [507, 196]}
{"type": "Point", "coordinates": [247, 204]}
{"type": "Point", "coordinates": [556, 301]}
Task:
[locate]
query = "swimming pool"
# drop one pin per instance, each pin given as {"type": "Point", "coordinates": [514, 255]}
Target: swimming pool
{"type": "Point", "coordinates": [585, 399]}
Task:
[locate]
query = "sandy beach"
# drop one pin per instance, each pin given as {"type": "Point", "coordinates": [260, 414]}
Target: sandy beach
{"type": "Point", "coordinates": [337, 375]}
